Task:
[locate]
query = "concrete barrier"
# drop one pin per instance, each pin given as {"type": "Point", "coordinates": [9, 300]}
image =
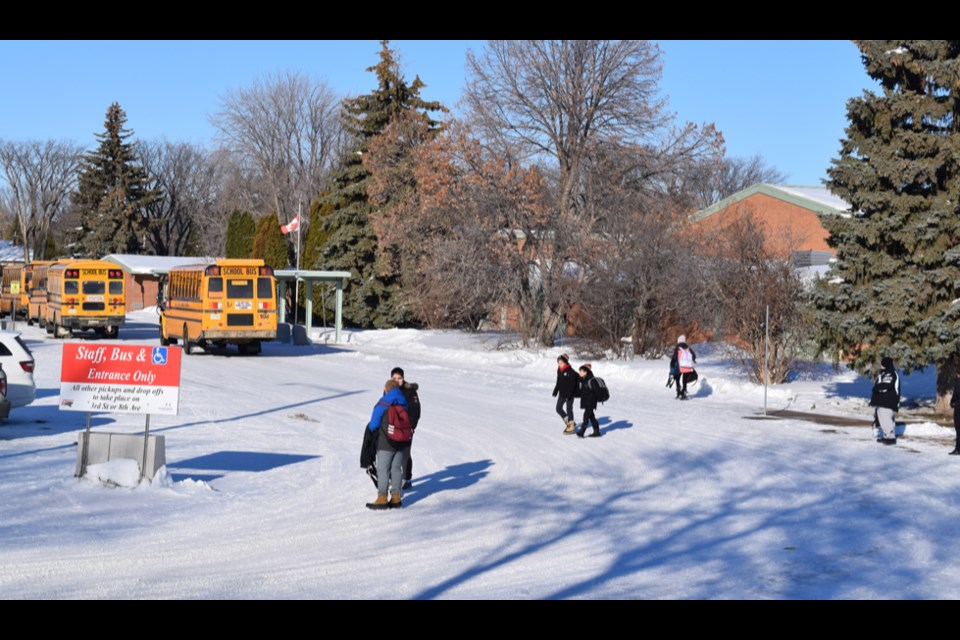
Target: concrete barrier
{"type": "Point", "coordinates": [283, 332]}
{"type": "Point", "coordinates": [106, 446]}
{"type": "Point", "coordinates": [300, 337]}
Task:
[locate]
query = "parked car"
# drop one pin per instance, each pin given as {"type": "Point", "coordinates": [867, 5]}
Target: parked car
{"type": "Point", "coordinates": [18, 363]}
{"type": "Point", "coordinates": [4, 403]}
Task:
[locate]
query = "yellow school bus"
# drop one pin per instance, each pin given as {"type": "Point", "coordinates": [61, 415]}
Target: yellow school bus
{"type": "Point", "coordinates": [36, 283]}
{"type": "Point", "coordinates": [13, 293]}
{"type": "Point", "coordinates": [227, 302]}
{"type": "Point", "coordinates": [85, 294]}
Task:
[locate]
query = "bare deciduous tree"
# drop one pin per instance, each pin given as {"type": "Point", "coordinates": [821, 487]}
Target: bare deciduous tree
{"type": "Point", "coordinates": [745, 276]}
{"type": "Point", "coordinates": [39, 177]}
{"type": "Point", "coordinates": [188, 179]}
{"type": "Point", "coordinates": [286, 130]}
{"type": "Point", "coordinates": [558, 97]}
{"type": "Point", "coordinates": [711, 182]}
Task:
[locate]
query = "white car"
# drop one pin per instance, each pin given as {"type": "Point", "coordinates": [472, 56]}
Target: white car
{"type": "Point", "coordinates": [18, 364]}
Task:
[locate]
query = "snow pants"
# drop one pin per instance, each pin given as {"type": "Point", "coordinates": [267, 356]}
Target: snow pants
{"type": "Point", "coordinates": [887, 424]}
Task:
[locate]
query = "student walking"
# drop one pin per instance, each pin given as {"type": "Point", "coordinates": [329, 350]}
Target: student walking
{"type": "Point", "coordinates": [564, 391]}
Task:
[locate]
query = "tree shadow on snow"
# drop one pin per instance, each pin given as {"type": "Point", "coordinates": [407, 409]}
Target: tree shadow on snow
{"type": "Point", "coordinates": [764, 538]}
{"type": "Point", "coordinates": [457, 476]}
{"type": "Point", "coordinates": [228, 461]}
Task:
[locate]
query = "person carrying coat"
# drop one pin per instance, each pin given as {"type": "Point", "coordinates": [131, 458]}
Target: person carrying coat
{"type": "Point", "coordinates": [564, 391]}
{"type": "Point", "coordinates": [588, 401]}
{"type": "Point", "coordinates": [885, 396]}
{"type": "Point", "coordinates": [390, 454]}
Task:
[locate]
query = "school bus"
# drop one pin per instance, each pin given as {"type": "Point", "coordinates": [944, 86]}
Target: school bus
{"type": "Point", "coordinates": [85, 294]}
{"type": "Point", "coordinates": [226, 302]}
{"type": "Point", "coordinates": [12, 295]}
{"type": "Point", "coordinates": [36, 284]}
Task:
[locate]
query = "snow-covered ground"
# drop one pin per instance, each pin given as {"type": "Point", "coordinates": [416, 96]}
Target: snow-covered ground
{"type": "Point", "coordinates": [263, 496]}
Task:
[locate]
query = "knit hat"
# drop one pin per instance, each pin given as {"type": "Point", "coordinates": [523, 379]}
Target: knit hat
{"type": "Point", "coordinates": [586, 366]}
{"type": "Point", "coordinates": [397, 370]}
{"type": "Point", "coordinates": [886, 362]}
{"type": "Point", "coordinates": [682, 338]}
{"type": "Point", "coordinates": [564, 357]}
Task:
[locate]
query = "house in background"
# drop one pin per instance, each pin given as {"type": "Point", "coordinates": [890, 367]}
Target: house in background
{"type": "Point", "coordinates": [789, 214]}
{"type": "Point", "coordinates": [143, 275]}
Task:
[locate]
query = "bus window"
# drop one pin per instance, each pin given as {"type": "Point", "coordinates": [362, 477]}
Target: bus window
{"type": "Point", "coordinates": [116, 288]}
{"type": "Point", "coordinates": [241, 289]}
{"type": "Point", "coordinates": [71, 287]}
{"type": "Point", "coordinates": [215, 287]}
{"type": "Point", "coordinates": [264, 290]}
{"type": "Point", "coordinates": [93, 287]}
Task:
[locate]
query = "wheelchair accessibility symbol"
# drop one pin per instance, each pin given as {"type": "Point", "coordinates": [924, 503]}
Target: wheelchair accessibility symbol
{"type": "Point", "coordinates": [159, 355]}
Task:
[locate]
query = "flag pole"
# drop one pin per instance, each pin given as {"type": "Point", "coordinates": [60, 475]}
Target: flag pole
{"type": "Point", "coordinates": [296, 280]}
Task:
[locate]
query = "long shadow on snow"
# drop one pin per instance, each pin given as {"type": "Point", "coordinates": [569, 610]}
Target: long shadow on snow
{"type": "Point", "coordinates": [227, 461]}
{"type": "Point", "coordinates": [768, 538]}
{"type": "Point", "coordinates": [607, 425]}
{"type": "Point", "coordinates": [456, 476]}
{"type": "Point", "coordinates": [270, 350]}
{"type": "Point", "coordinates": [259, 413]}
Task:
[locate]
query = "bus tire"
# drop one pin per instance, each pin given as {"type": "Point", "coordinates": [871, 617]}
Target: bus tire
{"type": "Point", "coordinates": [186, 341]}
{"type": "Point", "coordinates": [111, 332]}
{"type": "Point", "coordinates": [48, 327]}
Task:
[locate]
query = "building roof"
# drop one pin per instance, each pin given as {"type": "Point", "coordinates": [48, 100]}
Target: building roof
{"type": "Point", "coordinates": [816, 199]}
{"type": "Point", "coordinates": [10, 252]}
{"type": "Point", "coordinates": [148, 265]}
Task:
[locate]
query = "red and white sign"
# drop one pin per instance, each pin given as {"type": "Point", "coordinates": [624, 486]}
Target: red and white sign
{"type": "Point", "coordinates": [120, 378]}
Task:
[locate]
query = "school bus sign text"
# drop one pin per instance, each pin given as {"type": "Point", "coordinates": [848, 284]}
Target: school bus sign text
{"type": "Point", "coordinates": [120, 378]}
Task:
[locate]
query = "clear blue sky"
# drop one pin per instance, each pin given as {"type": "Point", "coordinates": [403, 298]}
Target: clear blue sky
{"type": "Point", "coordinates": [784, 100]}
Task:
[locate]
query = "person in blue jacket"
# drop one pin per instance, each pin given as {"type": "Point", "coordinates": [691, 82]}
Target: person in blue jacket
{"type": "Point", "coordinates": [390, 454]}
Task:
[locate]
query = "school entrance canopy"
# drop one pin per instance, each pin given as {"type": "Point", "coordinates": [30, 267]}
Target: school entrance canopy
{"type": "Point", "coordinates": [311, 277]}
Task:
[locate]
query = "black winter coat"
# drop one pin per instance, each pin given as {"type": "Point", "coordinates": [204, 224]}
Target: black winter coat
{"type": "Point", "coordinates": [886, 390]}
{"type": "Point", "coordinates": [409, 390]}
{"type": "Point", "coordinates": [567, 380]}
{"type": "Point", "coordinates": [588, 391]}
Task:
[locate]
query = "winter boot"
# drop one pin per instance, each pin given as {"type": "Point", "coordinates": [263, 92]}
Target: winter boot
{"type": "Point", "coordinates": [582, 431]}
{"type": "Point", "coordinates": [571, 428]}
{"type": "Point", "coordinates": [955, 452]}
{"type": "Point", "coordinates": [596, 433]}
{"type": "Point", "coordinates": [395, 502]}
{"type": "Point", "coordinates": [380, 503]}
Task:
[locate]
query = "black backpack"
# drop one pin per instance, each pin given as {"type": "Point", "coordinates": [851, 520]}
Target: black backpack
{"type": "Point", "coordinates": [603, 394]}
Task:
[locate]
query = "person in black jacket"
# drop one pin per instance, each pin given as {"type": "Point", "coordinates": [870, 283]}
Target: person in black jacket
{"type": "Point", "coordinates": [564, 391]}
{"type": "Point", "coordinates": [955, 403]}
{"type": "Point", "coordinates": [588, 401]}
{"type": "Point", "coordinates": [886, 398]}
{"type": "Point", "coordinates": [409, 390]}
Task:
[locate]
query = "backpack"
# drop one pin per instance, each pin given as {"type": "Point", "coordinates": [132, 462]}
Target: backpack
{"type": "Point", "coordinates": [685, 359]}
{"type": "Point", "coordinates": [398, 423]}
{"type": "Point", "coordinates": [603, 394]}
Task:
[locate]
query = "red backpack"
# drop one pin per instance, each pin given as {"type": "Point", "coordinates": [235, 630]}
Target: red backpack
{"type": "Point", "coordinates": [398, 423]}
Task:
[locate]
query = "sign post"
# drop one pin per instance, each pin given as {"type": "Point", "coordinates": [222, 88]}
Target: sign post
{"type": "Point", "coordinates": [119, 379]}
{"type": "Point", "coordinates": [15, 291]}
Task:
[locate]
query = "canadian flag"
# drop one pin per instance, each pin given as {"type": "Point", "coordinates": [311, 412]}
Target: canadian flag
{"type": "Point", "coordinates": [293, 226]}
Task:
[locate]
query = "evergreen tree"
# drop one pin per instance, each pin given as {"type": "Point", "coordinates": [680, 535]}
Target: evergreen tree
{"type": "Point", "coordinates": [241, 229]}
{"type": "Point", "coordinates": [112, 191]}
{"type": "Point", "coordinates": [893, 289]}
{"type": "Point", "coordinates": [370, 297]}
{"type": "Point", "coordinates": [269, 243]}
